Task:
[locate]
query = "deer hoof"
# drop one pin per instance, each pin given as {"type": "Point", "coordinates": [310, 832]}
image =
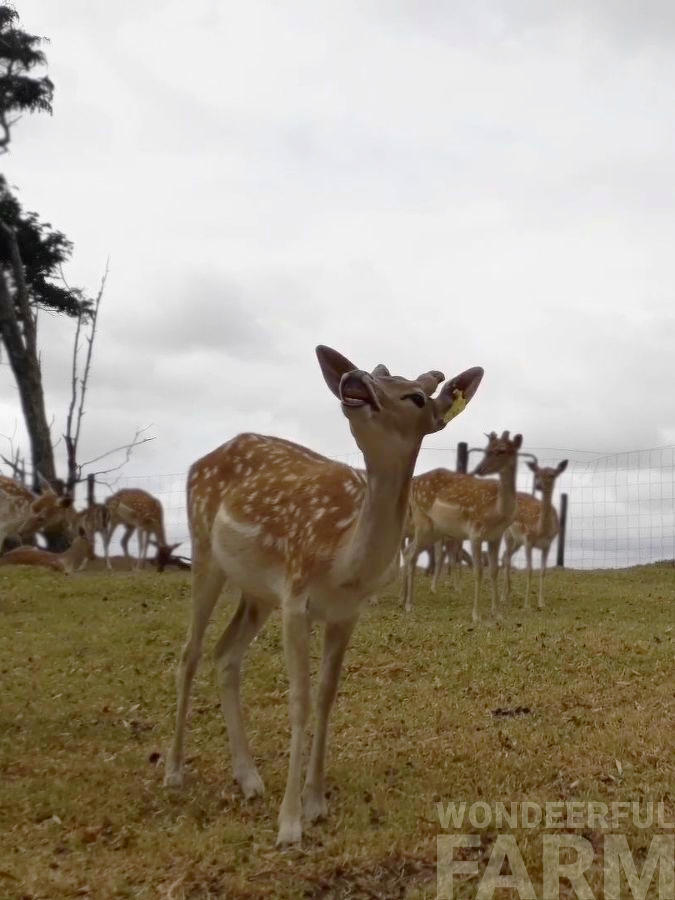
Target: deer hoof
{"type": "Point", "coordinates": [251, 784]}
{"type": "Point", "coordinates": [289, 833]}
{"type": "Point", "coordinates": [314, 806]}
{"type": "Point", "coordinates": [173, 779]}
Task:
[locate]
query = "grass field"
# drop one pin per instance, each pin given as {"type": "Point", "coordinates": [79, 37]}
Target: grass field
{"type": "Point", "coordinates": [87, 708]}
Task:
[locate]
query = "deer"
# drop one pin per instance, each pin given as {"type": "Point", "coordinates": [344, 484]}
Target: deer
{"type": "Point", "coordinates": [289, 529]}
{"type": "Point", "coordinates": [93, 520]}
{"type": "Point", "coordinates": [139, 510]}
{"type": "Point", "coordinates": [535, 525]}
{"type": "Point", "coordinates": [74, 559]}
{"type": "Point", "coordinates": [450, 504]}
{"type": "Point", "coordinates": [22, 512]}
{"type": "Point", "coordinates": [451, 551]}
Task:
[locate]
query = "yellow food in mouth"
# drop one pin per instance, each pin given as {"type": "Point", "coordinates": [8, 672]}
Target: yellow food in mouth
{"type": "Point", "coordinates": [458, 404]}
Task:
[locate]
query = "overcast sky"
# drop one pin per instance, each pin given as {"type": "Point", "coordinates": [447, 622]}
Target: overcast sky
{"type": "Point", "coordinates": [424, 184]}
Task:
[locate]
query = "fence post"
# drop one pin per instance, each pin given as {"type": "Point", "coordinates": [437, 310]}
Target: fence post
{"type": "Point", "coordinates": [563, 528]}
{"type": "Point", "coordinates": [91, 481]}
{"type": "Point", "coordinates": [462, 457]}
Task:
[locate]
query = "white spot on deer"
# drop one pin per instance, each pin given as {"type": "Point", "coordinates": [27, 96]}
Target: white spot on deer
{"type": "Point", "coordinates": [344, 523]}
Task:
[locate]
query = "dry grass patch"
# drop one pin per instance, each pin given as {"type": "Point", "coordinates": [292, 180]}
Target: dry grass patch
{"type": "Point", "coordinates": [87, 710]}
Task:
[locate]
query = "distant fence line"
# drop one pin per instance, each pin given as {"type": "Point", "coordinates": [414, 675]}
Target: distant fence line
{"type": "Point", "coordinates": [621, 508]}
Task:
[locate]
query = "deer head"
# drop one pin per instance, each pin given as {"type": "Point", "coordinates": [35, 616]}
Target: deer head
{"type": "Point", "coordinates": [164, 554]}
{"type": "Point", "coordinates": [544, 477]}
{"type": "Point", "coordinates": [384, 408]}
{"type": "Point", "coordinates": [49, 510]}
{"type": "Point", "coordinates": [500, 453]}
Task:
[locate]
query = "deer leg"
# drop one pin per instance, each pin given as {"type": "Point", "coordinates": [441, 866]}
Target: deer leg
{"type": "Point", "coordinates": [439, 556]}
{"type": "Point", "coordinates": [295, 628]}
{"type": "Point", "coordinates": [124, 541]}
{"type": "Point", "coordinates": [410, 555]}
{"type": "Point", "coordinates": [142, 540]}
{"type": "Point", "coordinates": [230, 649]}
{"type": "Point", "coordinates": [206, 586]}
{"type": "Point", "coordinates": [542, 575]}
{"type": "Point", "coordinates": [107, 534]}
{"type": "Point", "coordinates": [528, 561]}
{"type": "Point", "coordinates": [506, 563]}
{"type": "Point", "coordinates": [493, 563]}
{"type": "Point", "coordinates": [477, 556]}
{"type": "Point", "coordinates": [336, 639]}
{"type": "Point", "coordinates": [455, 565]}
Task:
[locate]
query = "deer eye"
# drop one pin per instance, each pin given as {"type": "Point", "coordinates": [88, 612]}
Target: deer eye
{"type": "Point", "coordinates": [418, 399]}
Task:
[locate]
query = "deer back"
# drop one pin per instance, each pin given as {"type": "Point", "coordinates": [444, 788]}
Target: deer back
{"type": "Point", "coordinates": [292, 505]}
{"type": "Point", "coordinates": [32, 556]}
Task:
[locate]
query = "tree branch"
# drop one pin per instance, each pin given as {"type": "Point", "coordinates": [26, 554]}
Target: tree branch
{"type": "Point", "coordinates": [90, 341]}
{"type": "Point", "coordinates": [136, 441]}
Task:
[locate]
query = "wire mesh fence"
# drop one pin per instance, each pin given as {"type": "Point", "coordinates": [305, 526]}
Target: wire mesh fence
{"type": "Point", "coordinates": [621, 506]}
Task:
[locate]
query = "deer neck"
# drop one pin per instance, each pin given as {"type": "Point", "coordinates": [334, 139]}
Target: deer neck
{"type": "Point", "coordinates": [506, 495]}
{"type": "Point", "coordinates": [546, 515]}
{"type": "Point", "coordinates": [378, 530]}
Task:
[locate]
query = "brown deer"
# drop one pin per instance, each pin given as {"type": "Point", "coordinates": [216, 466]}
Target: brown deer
{"type": "Point", "coordinates": [22, 512]}
{"type": "Point", "coordinates": [93, 520]}
{"type": "Point", "coordinates": [450, 504]}
{"type": "Point", "coordinates": [139, 510]}
{"type": "Point", "coordinates": [75, 557]}
{"type": "Point", "coordinates": [292, 529]}
{"type": "Point", "coordinates": [449, 552]}
{"type": "Point", "coordinates": [535, 525]}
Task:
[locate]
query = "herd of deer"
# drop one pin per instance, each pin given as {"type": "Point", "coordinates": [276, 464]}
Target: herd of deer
{"type": "Point", "coordinates": [290, 529]}
{"type": "Point", "coordinates": [23, 513]}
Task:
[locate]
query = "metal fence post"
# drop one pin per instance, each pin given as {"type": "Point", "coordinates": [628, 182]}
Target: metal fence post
{"type": "Point", "coordinates": [563, 528]}
{"type": "Point", "coordinates": [462, 457]}
{"type": "Point", "coordinates": [91, 481]}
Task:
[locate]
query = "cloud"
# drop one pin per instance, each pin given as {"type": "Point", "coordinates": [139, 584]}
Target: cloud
{"type": "Point", "coordinates": [422, 184]}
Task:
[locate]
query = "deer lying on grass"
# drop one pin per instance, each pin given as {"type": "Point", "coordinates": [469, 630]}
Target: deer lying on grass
{"type": "Point", "coordinates": [136, 509]}
{"type": "Point", "coordinates": [535, 525]}
{"type": "Point", "coordinates": [22, 512]}
{"type": "Point", "coordinates": [292, 529]}
{"type": "Point", "coordinates": [450, 504]}
{"type": "Point", "coordinates": [74, 559]}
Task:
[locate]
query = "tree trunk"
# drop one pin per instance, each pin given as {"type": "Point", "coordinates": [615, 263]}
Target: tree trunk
{"type": "Point", "coordinates": [26, 368]}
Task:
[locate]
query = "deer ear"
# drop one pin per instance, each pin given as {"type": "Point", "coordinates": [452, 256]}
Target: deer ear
{"type": "Point", "coordinates": [455, 394]}
{"type": "Point", "coordinates": [44, 484]}
{"type": "Point", "coordinates": [517, 441]}
{"type": "Point", "coordinates": [429, 381]}
{"type": "Point", "coordinates": [561, 466]}
{"type": "Point", "coordinates": [333, 367]}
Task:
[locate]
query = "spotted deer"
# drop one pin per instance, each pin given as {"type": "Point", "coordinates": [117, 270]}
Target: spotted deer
{"type": "Point", "coordinates": [449, 552]}
{"type": "Point", "coordinates": [94, 520]}
{"type": "Point", "coordinates": [289, 528]}
{"type": "Point", "coordinates": [450, 504]}
{"type": "Point", "coordinates": [135, 510]}
{"type": "Point", "coordinates": [535, 525]}
{"type": "Point", "coordinates": [74, 559]}
{"type": "Point", "coordinates": [22, 512]}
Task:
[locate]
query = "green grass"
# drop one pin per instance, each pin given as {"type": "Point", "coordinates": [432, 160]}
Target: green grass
{"type": "Point", "coordinates": [87, 706]}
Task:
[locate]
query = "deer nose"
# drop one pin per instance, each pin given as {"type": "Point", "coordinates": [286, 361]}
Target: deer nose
{"type": "Point", "coordinates": [356, 389]}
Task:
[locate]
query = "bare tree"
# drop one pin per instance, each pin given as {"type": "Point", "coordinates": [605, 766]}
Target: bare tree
{"type": "Point", "coordinates": [86, 327]}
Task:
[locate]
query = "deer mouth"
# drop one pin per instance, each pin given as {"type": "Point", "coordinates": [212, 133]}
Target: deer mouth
{"type": "Point", "coordinates": [356, 391]}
